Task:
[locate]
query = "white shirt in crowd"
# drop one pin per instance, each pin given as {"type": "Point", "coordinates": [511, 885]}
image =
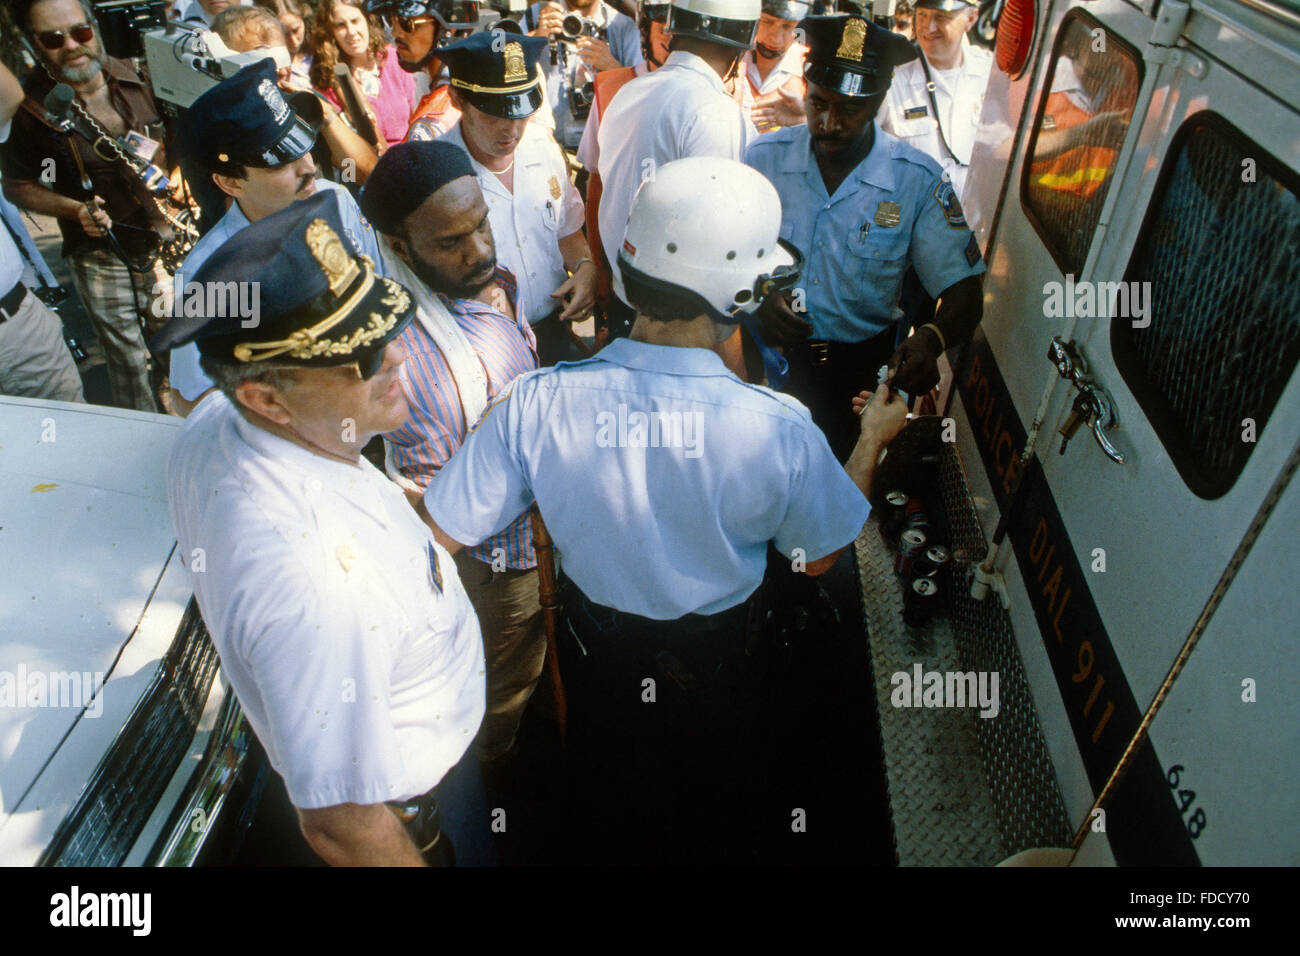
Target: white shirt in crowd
{"type": "Point", "coordinates": [528, 224]}
{"type": "Point", "coordinates": [681, 109]}
{"type": "Point", "coordinates": [358, 664]}
{"type": "Point", "coordinates": [908, 114]}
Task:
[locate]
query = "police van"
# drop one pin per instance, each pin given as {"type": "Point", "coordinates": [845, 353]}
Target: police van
{"type": "Point", "coordinates": [1125, 424]}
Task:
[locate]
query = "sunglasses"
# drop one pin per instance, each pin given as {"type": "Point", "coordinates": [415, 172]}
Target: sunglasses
{"type": "Point", "coordinates": [53, 39]}
{"type": "Point", "coordinates": [407, 24]}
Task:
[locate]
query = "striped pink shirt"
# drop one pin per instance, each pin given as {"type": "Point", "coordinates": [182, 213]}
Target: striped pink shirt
{"type": "Point", "coordinates": [437, 426]}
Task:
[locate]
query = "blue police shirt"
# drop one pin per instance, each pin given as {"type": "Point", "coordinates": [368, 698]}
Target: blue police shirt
{"type": "Point", "coordinates": [186, 376]}
{"type": "Point", "coordinates": [894, 210]}
{"type": "Point", "coordinates": [661, 476]}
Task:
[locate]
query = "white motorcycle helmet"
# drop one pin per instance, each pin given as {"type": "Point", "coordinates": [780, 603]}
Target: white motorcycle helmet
{"type": "Point", "coordinates": [729, 22]}
{"type": "Point", "coordinates": [704, 232]}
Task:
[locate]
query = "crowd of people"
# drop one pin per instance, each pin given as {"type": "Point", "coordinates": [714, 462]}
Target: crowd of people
{"type": "Point", "coordinates": [758, 201]}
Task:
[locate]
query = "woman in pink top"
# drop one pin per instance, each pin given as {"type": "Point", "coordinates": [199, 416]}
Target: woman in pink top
{"type": "Point", "coordinates": [344, 33]}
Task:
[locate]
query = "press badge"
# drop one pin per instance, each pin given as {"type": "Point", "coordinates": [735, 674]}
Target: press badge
{"type": "Point", "coordinates": [435, 571]}
{"type": "Point", "coordinates": [142, 146]}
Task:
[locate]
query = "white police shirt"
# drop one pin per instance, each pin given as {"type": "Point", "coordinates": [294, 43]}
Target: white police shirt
{"type": "Point", "coordinates": [661, 476]}
{"type": "Point", "coordinates": [681, 109]}
{"type": "Point", "coordinates": [908, 114]}
{"type": "Point", "coordinates": [893, 210]}
{"type": "Point", "coordinates": [528, 224]}
{"type": "Point", "coordinates": [186, 376]}
{"type": "Point", "coordinates": [340, 623]}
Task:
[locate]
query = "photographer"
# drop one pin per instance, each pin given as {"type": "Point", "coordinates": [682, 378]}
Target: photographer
{"type": "Point", "coordinates": [585, 38]}
{"type": "Point", "coordinates": [34, 361]}
{"type": "Point", "coordinates": [111, 231]}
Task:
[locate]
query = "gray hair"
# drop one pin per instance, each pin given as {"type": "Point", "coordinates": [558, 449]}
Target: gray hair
{"type": "Point", "coordinates": [228, 374]}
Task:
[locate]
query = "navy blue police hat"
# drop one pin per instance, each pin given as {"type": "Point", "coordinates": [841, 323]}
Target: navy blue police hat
{"type": "Point", "coordinates": [319, 304]}
{"type": "Point", "coordinates": [498, 72]}
{"type": "Point", "coordinates": [246, 121]}
{"type": "Point", "coordinates": [850, 55]}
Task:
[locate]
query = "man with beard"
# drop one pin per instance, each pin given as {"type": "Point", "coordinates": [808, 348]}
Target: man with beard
{"type": "Point", "coordinates": [257, 150]}
{"type": "Point", "coordinates": [469, 342]}
{"type": "Point", "coordinates": [864, 206]}
{"type": "Point", "coordinates": [770, 84]}
{"type": "Point", "coordinates": [118, 273]}
{"type": "Point", "coordinates": [418, 27]}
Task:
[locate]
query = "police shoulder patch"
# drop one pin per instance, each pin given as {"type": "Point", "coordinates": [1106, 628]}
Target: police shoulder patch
{"type": "Point", "coordinates": [946, 197]}
{"type": "Point", "coordinates": [972, 250]}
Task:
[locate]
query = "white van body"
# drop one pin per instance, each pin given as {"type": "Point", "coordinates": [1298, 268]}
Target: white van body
{"type": "Point", "coordinates": [1109, 567]}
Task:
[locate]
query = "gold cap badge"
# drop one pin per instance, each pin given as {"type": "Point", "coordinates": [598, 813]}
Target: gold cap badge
{"type": "Point", "coordinates": [340, 269]}
{"type": "Point", "coordinates": [515, 70]}
{"type": "Point", "coordinates": [855, 32]}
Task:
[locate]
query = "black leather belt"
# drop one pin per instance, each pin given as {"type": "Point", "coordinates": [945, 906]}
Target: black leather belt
{"type": "Point", "coordinates": [823, 352]}
{"type": "Point", "coordinates": [12, 301]}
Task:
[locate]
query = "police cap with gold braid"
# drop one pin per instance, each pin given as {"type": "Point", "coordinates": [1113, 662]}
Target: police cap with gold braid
{"type": "Point", "coordinates": [852, 56]}
{"type": "Point", "coordinates": [498, 72]}
{"type": "Point", "coordinates": [318, 303]}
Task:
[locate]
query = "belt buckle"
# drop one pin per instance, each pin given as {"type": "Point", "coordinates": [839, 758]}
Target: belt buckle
{"type": "Point", "coordinates": [820, 352]}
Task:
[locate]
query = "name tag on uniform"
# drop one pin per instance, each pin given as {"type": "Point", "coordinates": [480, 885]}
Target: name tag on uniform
{"type": "Point", "coordinates": [435, 571]}
{"type": "Point", "coordinates": [916, 112]}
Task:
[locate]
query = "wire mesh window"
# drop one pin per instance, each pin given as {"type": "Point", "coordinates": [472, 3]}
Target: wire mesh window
{"type": "Point", "coordinates": [1077, 137]}
{"type": "Point", "coordinates": [1218, 250]}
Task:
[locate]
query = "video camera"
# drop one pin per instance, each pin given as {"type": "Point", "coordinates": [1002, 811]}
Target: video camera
{"type": "Point", "coordinates": [183, 63]}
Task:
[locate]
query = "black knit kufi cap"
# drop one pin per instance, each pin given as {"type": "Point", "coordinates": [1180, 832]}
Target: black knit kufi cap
{"type": "Point", "coordinates": [405, 176]}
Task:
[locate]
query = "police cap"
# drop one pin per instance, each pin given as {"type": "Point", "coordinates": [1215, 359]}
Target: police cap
{"type": "Point", "coordinates": [850, 55]}
{"type": "Point", "coordinates": [245, 121]}
{"type": "Point", "coordinates": [498, 72]}
{"type": "Point", "coordinates": [316, 302]}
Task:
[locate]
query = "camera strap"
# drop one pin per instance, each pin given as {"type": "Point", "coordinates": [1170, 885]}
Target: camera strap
{"type": "Point", "coordinates": [934, 105]}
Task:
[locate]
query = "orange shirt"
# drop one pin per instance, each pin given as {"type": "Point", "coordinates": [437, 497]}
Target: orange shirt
{"type": "Point", "coordinates": [433, 115]}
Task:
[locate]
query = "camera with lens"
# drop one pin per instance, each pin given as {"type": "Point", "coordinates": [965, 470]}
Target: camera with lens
{"type": "Point", "coordinates": [580, 100]}
{"type": "Point", "coordinates": [574, 26]}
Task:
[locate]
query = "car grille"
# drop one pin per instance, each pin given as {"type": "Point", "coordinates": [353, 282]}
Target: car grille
{"type": "Point", "coordinates": [113, 809]}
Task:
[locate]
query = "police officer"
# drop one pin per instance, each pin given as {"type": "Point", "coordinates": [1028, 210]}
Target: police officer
{"type": "Point", "coordinates": [257, 150]}
{"type": "Point", "coordinates": [665, 546]}
{"type": "Point", "coordinates": [535, 210]}
{"type": "Point", "coordinates": [681, 109]}
{"type": "Point", "coordinates": [339, 621]}
{"type": "Point", "coordinates": [935, 100]}
{"type": "Point", "coordinates": [865, 206]}
{"type": "Point", "coordinates": [770, 84]}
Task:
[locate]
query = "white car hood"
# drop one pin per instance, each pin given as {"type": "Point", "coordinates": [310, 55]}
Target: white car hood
{"type": "Point", "coordinates": [84, 537]}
